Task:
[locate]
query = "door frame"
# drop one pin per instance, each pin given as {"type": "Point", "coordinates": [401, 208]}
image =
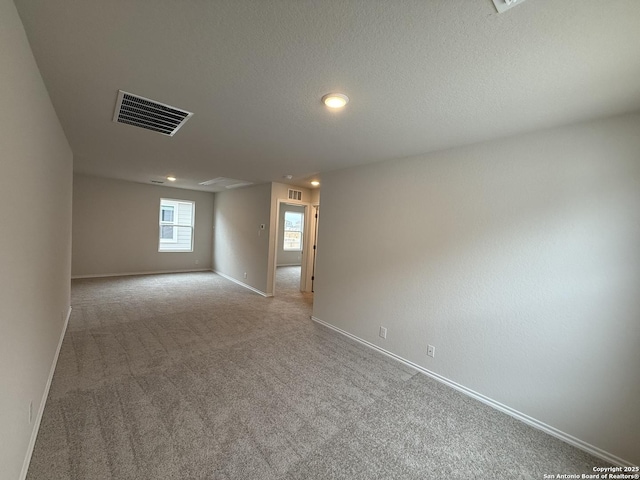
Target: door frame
{"type": "Point", "coordinates": [307, 243]}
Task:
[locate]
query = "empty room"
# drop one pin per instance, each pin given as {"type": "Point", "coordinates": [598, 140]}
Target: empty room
{"type": "Point", "coordinates": [320, 239]}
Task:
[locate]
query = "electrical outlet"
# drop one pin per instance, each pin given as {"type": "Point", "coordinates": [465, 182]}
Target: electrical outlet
{"type": "Point", "coordinates": [245, 274]}
{"type": "Point", "coordinates": [30, 412]}
{"type": "Point", "coordinates": [383, 332]}
{"type": "Point", "coordinates": [197, 262]}
{"type": "Point", "coordinates": [431, 351]}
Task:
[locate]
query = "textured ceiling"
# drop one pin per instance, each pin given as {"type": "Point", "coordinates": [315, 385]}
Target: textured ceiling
{"type": "Point", "coordinates": [422, 75]}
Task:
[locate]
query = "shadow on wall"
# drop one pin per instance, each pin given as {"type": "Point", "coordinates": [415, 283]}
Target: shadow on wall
{"type": "Point", "coordinates": [498, 263]}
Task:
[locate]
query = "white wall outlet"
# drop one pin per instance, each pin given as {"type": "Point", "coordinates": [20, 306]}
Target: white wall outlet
{"type": "Point", "coordinates": [197, 262]}
{"type": "Point", "coordinates": [245, 274]}
{"type": "Point", "coordinates": [383, 332]}
{"type": "Point", "coordinates": [431, 351]}
{"type": "Point", "coordinates": [30, 412]}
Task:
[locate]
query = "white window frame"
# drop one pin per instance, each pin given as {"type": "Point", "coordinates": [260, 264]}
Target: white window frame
{"type": "Point", "coordinates": [284, 243]}
{"type": "Point", "coordinates": [163, 223]}
{"type": "Point", "coordinates": [163, 242]}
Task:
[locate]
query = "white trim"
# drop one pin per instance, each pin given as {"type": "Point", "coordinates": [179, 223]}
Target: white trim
{"type": "Point", "coordinates": [128, 274]}
{"type": "Point", "coordinates": [231, 279]}
{"type": "Point", "coordinates": [43, 401]}
{"type": "Point", "coordinates": [289, 265]}
{"type": "Point", "coordinates": [570, 439]}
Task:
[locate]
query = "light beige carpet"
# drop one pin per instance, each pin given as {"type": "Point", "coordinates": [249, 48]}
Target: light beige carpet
{"type": "Point", "coordinates": [189, 376]}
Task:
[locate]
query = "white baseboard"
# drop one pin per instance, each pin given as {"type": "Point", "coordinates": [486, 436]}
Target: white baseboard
{"type": "Point", "coordinates": [231, 279]}
{"type": "Point", "coordinates": [128, 274]}
{"type": "Point", "coordinates": [570, 439]}
{"type": "Point", "coordinates": [43, 401]}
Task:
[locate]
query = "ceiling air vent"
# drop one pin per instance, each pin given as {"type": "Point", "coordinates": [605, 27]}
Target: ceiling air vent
{"type": "Point", "coordinates": [295, 194]}
{"type": "Point", "coordinates": [226, 182]}
{"type": "Point", "coordinates": [144, 113]}
{"type": "Point", "coordinates": [504, 5]}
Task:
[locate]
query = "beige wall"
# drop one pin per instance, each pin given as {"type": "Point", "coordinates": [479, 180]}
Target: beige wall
{"type": "Point", "coordinates": [239, 245]}
{"type": "Point", "coordinates": [115, 228]}
{"type": "Point", "coordinates": [35, 247]}
{"type": "Point", "coordinates": [315, 196]}
{"type": "Point", "coordinates": [519, 260]}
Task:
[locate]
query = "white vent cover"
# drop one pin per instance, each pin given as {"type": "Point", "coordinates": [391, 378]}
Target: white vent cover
{"type": "Point", "coordinates": [504, 5]}
{"type": "Point", "coordinates": [144, 113]}
{"type": "Point", "coordinates": [295, 194]}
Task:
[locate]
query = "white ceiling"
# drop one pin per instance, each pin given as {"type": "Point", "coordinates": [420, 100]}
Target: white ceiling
{"type": "Point", "coordinates": [422, 75]}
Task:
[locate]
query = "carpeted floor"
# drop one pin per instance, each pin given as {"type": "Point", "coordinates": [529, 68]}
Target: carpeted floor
{"type": "Point", "coordinates": [189, 376]}
{"type": "Point", "coordinates": [288, 282]}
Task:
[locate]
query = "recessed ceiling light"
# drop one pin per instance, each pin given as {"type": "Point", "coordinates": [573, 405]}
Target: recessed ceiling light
{"type": "Point", "coordinates": [171, 178]}
{"type": "Point", "coordinates": [288, 177]}
{"type": "Point", "coordinates": [315, 183]}
{"type": "Point", "coordinates": [335, 100]}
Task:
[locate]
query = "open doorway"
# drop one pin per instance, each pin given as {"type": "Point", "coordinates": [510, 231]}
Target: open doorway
{"type": "Point", "coordinates": [290, 248]}
{"type": "Point", "coordinates": [294, 245]}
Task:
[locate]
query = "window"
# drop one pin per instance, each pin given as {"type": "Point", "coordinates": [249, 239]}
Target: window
{"type": "Point", "coordinates": [167, 232]}
{"type": "Point", "coordinates": [293, 223]}
{"type": "Point", "coordinates": [176, 225]}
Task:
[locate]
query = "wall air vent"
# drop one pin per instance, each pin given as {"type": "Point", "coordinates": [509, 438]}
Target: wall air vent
{"type": "Point", "coordinates": [295, 194]}
{"type": "Point", "coordinates": [144, 113]}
